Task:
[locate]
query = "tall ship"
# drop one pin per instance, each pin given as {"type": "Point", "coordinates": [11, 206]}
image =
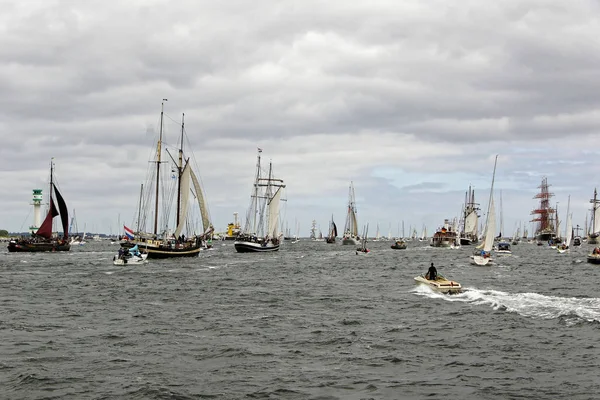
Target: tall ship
{"type": "Point", "coordinates": [595, 222]}
{"type": "Point", "coordinates": [351, 226]}
{"type": "Point", "coordinates": [470, 219]}
{"type": "Point", "coordinates": [544, 214]}
{"type": "Point", "coordinates": [260, 233]}
{"type": "Point", "coordinates": [171, 201]}
{"type": "Point", "coordinates": [42, 236]}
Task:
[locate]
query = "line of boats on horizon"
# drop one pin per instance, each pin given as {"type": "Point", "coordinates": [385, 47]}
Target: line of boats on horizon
{"type": "Point", "coordinates": [171, 209]}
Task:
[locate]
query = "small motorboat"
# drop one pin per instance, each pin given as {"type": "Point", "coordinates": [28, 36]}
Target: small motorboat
{"type": "Point", "coordinates": [594, 256]}
{"type": "Point", "coordinates": [440, 284]}
{"type": "Point", "coordinates": [131, 256]}
{"type": "Point", "coordinates": [130, 259]}
{"type": "Point", "coordinates": [399, 245]}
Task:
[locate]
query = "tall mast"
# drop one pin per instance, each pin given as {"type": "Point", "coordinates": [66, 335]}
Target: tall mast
{"type": "Point", "coordinates": [180, 170]}
{"type": "Point", "coordinates": [491, 193]}
{"type": "Point", "coordinates": [51, 187]}
{"type": "Point", "coordinates": [139, 207]}
{"type": "Point", "coordinates": [255, 211]}
{"type": "Point", "coordinates": [158, 153]}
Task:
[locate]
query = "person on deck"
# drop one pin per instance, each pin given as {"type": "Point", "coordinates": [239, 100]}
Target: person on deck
{"type": "Point", "coordinates": [431, 273]}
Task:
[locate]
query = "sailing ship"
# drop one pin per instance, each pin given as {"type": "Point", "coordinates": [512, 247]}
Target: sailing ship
{"type": "Point", "coordinates": [545, 231]}
{"type": "Point", "coordinates": [595, 221]}
{"type": "Point", "coordinates": [362, 249]}
{"type": "Point", "coordinates": [43, 238]}
{"type": "Point", "coordinates": [351, 226]}
{"type": "Point", "coordinates": [175, 189]}
{"type": "Point", "coordinates": [313, 230]}
{"type": "Point", "coordinates": [332, 232]}
{"type": "Point", "coordinates": [470, 219]}
{"type": "Point", "coordinates": [482, 254]}
{"type": "Point", "coordinates": [260, 233]}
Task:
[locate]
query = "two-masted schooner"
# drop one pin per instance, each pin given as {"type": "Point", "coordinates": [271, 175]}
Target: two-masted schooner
{"type": "Point", "coordinates": [166, 225]}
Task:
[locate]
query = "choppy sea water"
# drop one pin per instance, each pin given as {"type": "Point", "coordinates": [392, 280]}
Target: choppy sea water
{"type": "Point", "coordinates": [313, 321]}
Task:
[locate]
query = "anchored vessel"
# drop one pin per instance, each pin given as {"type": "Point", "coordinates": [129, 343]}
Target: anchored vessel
{"type": "Point", "coordinates": [42, 238]}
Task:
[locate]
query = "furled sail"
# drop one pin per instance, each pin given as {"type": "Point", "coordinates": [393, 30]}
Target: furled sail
{"type": "Point", "coordinates": [185, 196]}
{"type": "Point", "coordinates": [45, 230]}
{"type": "Point", "coordinates": [274, 214]}
{"type": "Point", "coordinates": [201, 202]}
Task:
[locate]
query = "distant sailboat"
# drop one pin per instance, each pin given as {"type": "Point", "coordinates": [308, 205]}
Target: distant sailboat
{"type": "Point", "coordinates": [260, 233]}
{"type": "Point", "coordinates": [351, 227]}
{"type": "Point", "coordinates": [470, 219]}
{"type": "Point", "coordinates": [595, 220]}
{"type": "Point", "coordinates": [482, 254]}
{"type": "Point", "coordinates": [332, 232]}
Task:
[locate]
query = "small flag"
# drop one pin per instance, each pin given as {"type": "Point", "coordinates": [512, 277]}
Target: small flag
{"type": "Point", "coordinates": [128, 232]}
{"type": "Point", "coordinates": [259, 149]}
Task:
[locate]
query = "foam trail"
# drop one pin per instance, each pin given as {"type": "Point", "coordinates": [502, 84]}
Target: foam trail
{"type": "Point", "coordinates": [531, 305]}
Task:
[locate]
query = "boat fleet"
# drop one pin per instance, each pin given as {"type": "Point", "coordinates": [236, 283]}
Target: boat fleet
{"type": "Point", "coordinates": [172, 201]}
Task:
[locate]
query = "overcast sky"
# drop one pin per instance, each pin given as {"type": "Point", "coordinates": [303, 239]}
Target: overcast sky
{"type": "Point", "coordinates": [410, 100]}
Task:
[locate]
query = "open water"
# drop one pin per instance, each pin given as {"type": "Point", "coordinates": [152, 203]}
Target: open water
{"type": "Point", "coordinates": [313, 321]}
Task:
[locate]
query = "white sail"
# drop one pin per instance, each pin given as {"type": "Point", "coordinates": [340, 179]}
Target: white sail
{"type": "Point", "coordinates": [206, 224]}
{"type": "Point", "coordinates": [185, 196]}
{"type": "Point", "coordinates": [596, 226]}
{"type": "Point", "coordinates": [569, 231]}
{"type": "Point", "coordinates": [471, 223]}
{"type": "Point", "coordinates": [354, 228]}
{"type": "Point", "coordinates": [274, 214]}
{"type": "Point", "coordinates": [488, 243]}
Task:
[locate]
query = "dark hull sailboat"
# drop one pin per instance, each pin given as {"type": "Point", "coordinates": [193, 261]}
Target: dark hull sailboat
{"type": "Point", "coordinates": [260, 234]}
{"type": "Point", "coordinates": [332, 232]}
{"type": "Point", "coordinates": [171, 243]}
{"type": "Point", "coordinates": [43, 240]}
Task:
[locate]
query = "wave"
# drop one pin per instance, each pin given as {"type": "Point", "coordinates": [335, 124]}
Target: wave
{"type": "Point", "coordinates": [532, 305]}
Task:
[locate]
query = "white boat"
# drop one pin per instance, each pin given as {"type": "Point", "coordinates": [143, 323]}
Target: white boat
{"type": "Point", "coordinates": [260, 232]}
{"type": "Point", "coordinates": [130, 257]}
{"type": "Point", "coordinates": [503, 248]}
{"type": "Point", "coordinates": [130, 260]}
{"type": "Point", "coordinates": [565, 246]}
{"type": "Point", "coordinates": [351, 227]}
{"type": "Point", "coordinates": [440, 284]}
{"type": "Point", "coordinates": [483, 255]}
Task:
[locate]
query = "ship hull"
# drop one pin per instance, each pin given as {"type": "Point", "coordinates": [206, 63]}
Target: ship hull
{"type": "Point", "coordinates": [253, 247]}
{"type": "Point", "coordinates": [36, 247]}
{"type": "Point", "coordinates": [349, 240]}
{"type": "Point", "coordinates": [163, 251]}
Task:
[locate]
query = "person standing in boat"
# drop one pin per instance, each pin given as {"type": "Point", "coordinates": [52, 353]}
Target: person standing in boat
{"type": "Point", "coordinates": [431, 273]}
